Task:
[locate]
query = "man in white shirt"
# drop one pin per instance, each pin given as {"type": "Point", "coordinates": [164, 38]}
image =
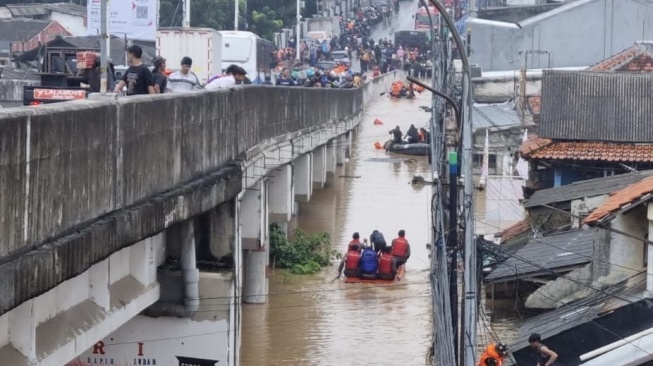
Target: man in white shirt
{"type": "Point", "coordinates": [183, 80]}
{"type": "Point", "coordinates": [236, 74]}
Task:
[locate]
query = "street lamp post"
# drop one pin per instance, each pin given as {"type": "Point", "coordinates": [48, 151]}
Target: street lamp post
{"type": "Point", "coordinates": [297, 37]}
{"type": "Point", "coordinates": [104, 45]}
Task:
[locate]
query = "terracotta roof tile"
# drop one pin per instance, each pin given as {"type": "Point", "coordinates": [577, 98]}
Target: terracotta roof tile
{"type": "Point", "coordinates": [514, 230]}
{"type": "Point", "coordinates": [587, 150]}
{"type": "Point", "coordinates": [637, 58]}
{"type": "Point", "coordinates": [620, 199]}
{"type": "Point", "coordinates": [533, 144]}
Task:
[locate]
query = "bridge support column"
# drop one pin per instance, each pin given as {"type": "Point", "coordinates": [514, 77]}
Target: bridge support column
{"type": "Point", "coordinates": [254, 232]}
{"type": "Point", "coordinates": [303, 177]}
{"type": "Point", "coordinates": [282, 197]}
{"type": "Point", "coordinates": [341, 149]}
{"type": "Point", "coordinates": [331, 158]}
{"type": "Point", "coordinates": [222, 231]}
{"type": "Point", "coordinates": [319, 167]}
{"type": "Point", "coordinates": [21, 327]}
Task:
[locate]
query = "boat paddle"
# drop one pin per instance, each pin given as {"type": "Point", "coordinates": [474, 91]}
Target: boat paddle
{"type": "Point", "coordinates": [335, 278]}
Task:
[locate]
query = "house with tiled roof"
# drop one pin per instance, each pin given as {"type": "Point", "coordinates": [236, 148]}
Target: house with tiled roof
{"type": "Point", "coordinates": [593, 124]}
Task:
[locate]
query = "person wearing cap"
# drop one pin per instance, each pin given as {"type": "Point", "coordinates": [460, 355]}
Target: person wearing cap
{"type": "Point", "coordinates": [183, 80]}
{"type": "Point", "coordinates": [236, 75]}
{"type": "Point", "coordinates": [545, 356]}
{"type": "Point", "coordinates": [159, 74]}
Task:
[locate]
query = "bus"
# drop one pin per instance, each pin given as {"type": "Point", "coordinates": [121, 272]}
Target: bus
{"type": "Point", "coordinates": [422, 22]}
{"type": "Point", "coordinates": [248, 51]}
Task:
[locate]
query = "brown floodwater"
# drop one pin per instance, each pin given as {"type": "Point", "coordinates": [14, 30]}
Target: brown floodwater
{"type": "Point", "coordinates": [309, 320]}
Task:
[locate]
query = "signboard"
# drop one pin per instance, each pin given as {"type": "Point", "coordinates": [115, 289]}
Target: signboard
{"type": "Point", "coordinates": [138, 19]}
{"type": "Point", "coordinates": [161, 341]}
{"type": "Point", "coordinates": [59, 94]}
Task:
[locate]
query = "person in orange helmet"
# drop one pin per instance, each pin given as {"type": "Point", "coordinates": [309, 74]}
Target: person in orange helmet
{"type": "Point", "coordinates": [494, 354]}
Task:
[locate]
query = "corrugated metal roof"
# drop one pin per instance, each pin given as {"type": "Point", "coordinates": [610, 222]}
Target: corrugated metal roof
{"type": "Point", "coordinates": [582, 311]}
{"type": "Point", "coordinates": [496, 116]}
{"type": "Point", "coordinates": [556, 251]}
{"type": "Point", "coordinates": [21, 30]}
{"type": "Point", "coordinates": [597, 106]}
{"type": "Point", "coordinates": [67, 8]}
{"type": "Point", "coordinates": [585, 188]}
{"type": "Point", "coordinates": [27, 10]}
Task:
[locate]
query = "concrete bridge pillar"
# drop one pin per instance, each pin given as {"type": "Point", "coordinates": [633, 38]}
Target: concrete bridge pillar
{"type": "Point", "coordinates": [254, 233]}
{"type": "Point", "coordinates": [319, 166]}
{"type": "Point", "coordinates": [303, 177]}
{"type": "Point", "coordinates": [341, 149]}
{"type": "Point", "coordinates": [331, 157]}
{"type": "Point", "coordinates": [282, 197]}
{"type": "Point", "coordinates": [222, 231]}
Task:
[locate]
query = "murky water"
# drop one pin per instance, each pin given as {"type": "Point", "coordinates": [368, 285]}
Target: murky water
{"type": "Point", "coordinates": [312, 321]}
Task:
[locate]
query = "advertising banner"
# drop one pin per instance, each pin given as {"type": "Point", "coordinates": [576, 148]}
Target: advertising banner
{"type": "Point", "coordinates": [138, 19]}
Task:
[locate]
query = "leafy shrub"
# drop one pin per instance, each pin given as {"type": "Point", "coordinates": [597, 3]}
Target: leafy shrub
{"type": "Point", "coordinates": [305, 254]}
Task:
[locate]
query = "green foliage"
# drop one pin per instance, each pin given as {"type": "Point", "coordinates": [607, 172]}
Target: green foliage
{"type": "Point", "coordinates": [265, 22]}
{"type": "Point", "coordinates": [306, 254]}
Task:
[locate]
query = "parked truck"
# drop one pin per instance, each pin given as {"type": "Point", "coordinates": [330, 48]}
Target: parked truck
{"type": "Point", "coordinates": [331, 26]}
{"type": "Point", "coordinates": [203, 45]}
{"type": "Point", "coordinates": [58, 74]}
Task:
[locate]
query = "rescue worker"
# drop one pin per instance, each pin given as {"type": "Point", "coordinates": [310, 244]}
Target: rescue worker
{"type": "Point", "coordinates": [369, 263]}
{"type": "Point", "coordinates": [378, 241]}
{"type": "Point", "coordinates": [401, 248]}
{"type": "Point", "coordinates": [397, 135]}
{"type": "Point", "coordinates": [424, 136]}
{"type": "Point", "coordinates": [355, 241]}
{"type": "Point", "coordinates": [545, 357]}
{"type": "Point", "coordinates": [494, 354]}
{"type": "Point", "coordinates": [350, 262]}
{"type": "Point", "coordinates": [396, 89]}
{"type": "Point", "coordinates": [387, 264]}
{"type": "Point", "coordinates": [412, 136]}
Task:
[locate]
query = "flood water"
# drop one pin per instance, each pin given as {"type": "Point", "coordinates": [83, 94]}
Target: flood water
{"type": "Point", "coordinates": [310, 321]}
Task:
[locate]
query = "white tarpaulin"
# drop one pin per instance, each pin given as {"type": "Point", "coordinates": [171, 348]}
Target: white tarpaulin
{"type": "Point", "coordinates": [137, 19]}
{"type": "Point", "coordinates": [502, 200]}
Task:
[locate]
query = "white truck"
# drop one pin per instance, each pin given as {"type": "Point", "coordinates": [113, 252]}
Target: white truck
{"type": "Point", "coordinates": [330, 26]}
{"type": "Point", "coordinates": [203, 45]}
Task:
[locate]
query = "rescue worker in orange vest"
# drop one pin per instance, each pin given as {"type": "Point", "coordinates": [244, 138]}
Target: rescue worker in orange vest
{"type": "Point", "coordinates": [387, 264]}
{"type": "Point", "coordinates": [494, 354]}
{"type": "Point", "coordinates": [401, 248]}
{"type": "Point", "coordinates": [396, 89]}
{"type": "Point", "coordinates": [355, 240]}
{"type": "Point", "coordinates": [350, 262]}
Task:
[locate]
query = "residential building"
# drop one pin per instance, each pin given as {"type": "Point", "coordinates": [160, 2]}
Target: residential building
{"type": "Point", "coordinates": [620, 286]}
{"type": "Point", "coordinates": [592, 124]}
{"type": "Point", "coordinates": [579, 33]}
{"type": "Point", "coordinates": [71, 16]}
{"type": "Point", "coordinates": [27, 34]}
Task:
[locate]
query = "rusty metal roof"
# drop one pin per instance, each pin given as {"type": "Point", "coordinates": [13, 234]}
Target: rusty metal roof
{"type": "Point", "coordinates": [597, 106]}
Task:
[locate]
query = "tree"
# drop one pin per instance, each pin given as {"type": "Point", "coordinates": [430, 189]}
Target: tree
{"type": "Point", "coordinates": [265, 22]}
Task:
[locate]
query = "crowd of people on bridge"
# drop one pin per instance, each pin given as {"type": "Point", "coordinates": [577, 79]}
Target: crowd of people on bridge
{"type": "Point", "coordinates": [376, 260]}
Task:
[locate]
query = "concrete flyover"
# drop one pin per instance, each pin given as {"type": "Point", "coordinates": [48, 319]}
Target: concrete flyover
{"type": "Point", "coordinates": [151, 206]}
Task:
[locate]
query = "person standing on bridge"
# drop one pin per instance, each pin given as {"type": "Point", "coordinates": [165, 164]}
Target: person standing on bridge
{"type": "Point", "coordinates": [183, 80]}
{"type": "Point", "coordinates": [138, 77]}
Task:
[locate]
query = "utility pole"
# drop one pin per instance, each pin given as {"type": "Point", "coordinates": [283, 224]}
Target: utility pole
{"type": "Point", "coordinates": [236, 3]}
{"type": "Point", "coordinates": [186, 20]}
{"type": "Point", "coordinates": [104, 45]}
{"type": "Point", "coordinates": [469, 320]}
{"type": "Point", "coordinates": [297, 37]}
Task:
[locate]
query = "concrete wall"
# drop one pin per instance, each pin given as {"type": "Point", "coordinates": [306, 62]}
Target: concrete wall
{"type": "Point", "coordinates": [80, 180]}
{"type": "Point", "coordinates": [580, 33]}
{"type": "Point", "coordinates": [12, 90]}
{"type": "Point", "coordinates": [626, 253]}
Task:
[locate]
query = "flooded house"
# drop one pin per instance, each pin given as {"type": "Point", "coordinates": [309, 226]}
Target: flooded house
{"type": "Point", "coordinates": [619, 291]}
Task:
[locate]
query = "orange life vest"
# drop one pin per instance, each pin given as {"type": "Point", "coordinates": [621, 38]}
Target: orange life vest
{"type": "Point", "coordinates": [352, 243]}
{"type": "Point", "coordinates": [385, 263]}
{"type": "Point", "coordinates": [399, 247]}
{"type": "Point", "coordinates": [352, 260]}
{"type": "Point", "coordinates": [396, 88]}
{"type": "Point", "coordinates": [490, 352]}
